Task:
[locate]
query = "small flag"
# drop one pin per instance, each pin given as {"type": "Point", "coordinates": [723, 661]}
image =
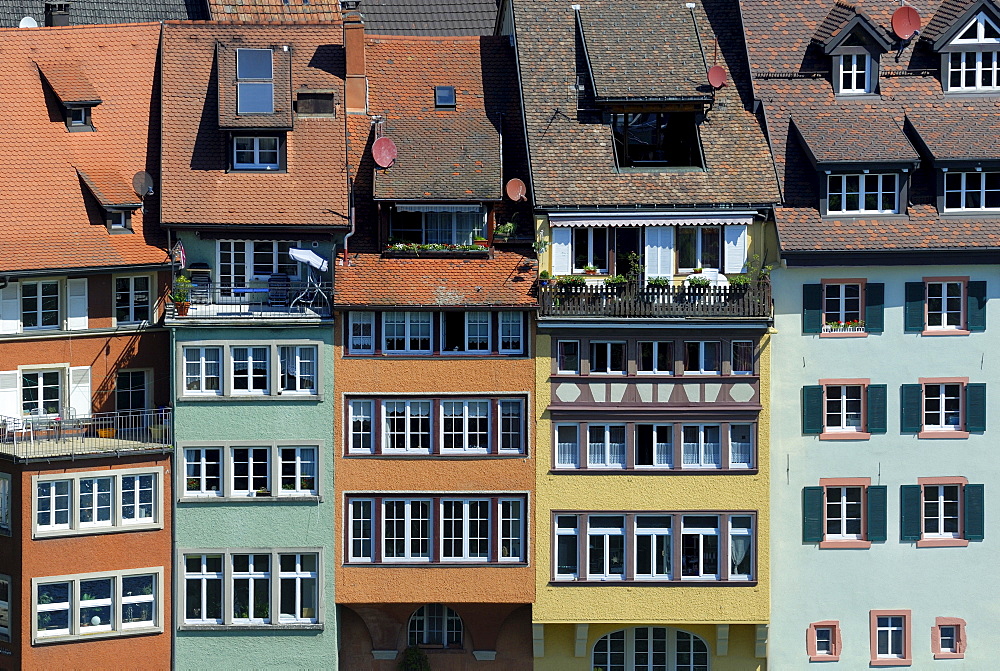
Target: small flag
{"type": "Point", "coordinates": [178, 255]}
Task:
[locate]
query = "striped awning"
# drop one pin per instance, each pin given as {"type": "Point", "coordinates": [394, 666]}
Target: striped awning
{"type": "Point", "coordinates": [700, 219]}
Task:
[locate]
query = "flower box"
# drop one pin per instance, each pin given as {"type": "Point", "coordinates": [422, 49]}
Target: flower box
{"type": "Point", "coordinates": [843, 329]}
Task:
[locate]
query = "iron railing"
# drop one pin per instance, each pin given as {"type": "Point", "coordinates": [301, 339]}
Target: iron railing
{"type": "Point", "coordinates": [34, 437]}
{"type": "Point", "coordinates": [631, 300]}
{"type": "Point", "coordinates": [295, 300]}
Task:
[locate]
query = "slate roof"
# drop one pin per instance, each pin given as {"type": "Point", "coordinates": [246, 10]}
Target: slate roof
{"type": "Point", "coordinates": [84, 12]}
{"type": "Point", "coordinates": [573, 163]}
{"type": "Point", "coordinates": [197, 189]}
{"type": "Point", "coordinates": [262, 11]}
{"type": "Point", "coordinates": [792, 80]}
{"type": "Point", "coordinates": [50, 218]}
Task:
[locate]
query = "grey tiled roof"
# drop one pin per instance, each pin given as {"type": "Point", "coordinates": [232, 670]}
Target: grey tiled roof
{"type": "Point", "coordinates": [429, 17]}
{"type": "Point", "coordinates": [83, 12]}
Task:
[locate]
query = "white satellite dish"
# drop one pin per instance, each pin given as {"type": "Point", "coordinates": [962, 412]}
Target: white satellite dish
{"type": "Point", "coordinates": [28, 22]}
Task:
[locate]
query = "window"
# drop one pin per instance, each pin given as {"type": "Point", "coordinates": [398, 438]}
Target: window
{"type": "Point", "coordinates": [699, 247]}
{"type": "Point", "coordinates": [656, 358]}
{"type": "Point", "coordinates": [568, 356]}
{"type": "Point", "coordinates": [407, 426]}
{"type": "Point", "coordinates": [640, 547]}
{"type": "Point", "coordinates": [590, 249]}
{"type": "Point", "coordinates": [242, 261]}
{"type": "Point", "coordinates": [657, 139]}
{"type": "Point", "coordinates": [511, 332]}
{"type": "Point", "coordinates": [890, 638]}
{"type": "Point", "coordinates": [474, 332]}
{"type": "Point", "coordinates": [702, 358]}
{"type": "Point", "coordinates": [254, 87]}
{"type": "Point", "coordinates": [941, 512]}
{"type": "Point", "coordinates": [654, 445]}
{"type": "Point", "coordinates": [567, 445]}
{"type": "Point", "coordinates": [298, 471]}
{"type": "Point", "coordinates": [467, 332]}
{"type": "Point", "coordinates": [5, 503]}
{"type": "Point", "coordinates": [971, 191]}
{"type": "Point", "coordinates": [79, 118]}
{"type": "Point", "coordinates": [41, 392]}
{"type": "Point", "coordinates": [82, 503]}
{"type": "Point", "coordinates": [40, 305]}
{"type": "Point", "coordinates": [606, 446]}
{"type": "Point", "coordinates": [250, 370]}
{"type": "Point", "coordinates": [251, 471]}
{"type": "Point", "coordinates": [130, 390]}
{"type": "Point", "coordinates": [974, 67]}
{"type": "Point", "coordinates": [650, 649]}
{"type": "Point", "coordinates": [607, 357]}
{"type": "Point", "coordinates": [742, 357]}
{"type": "Point", "coordinates": [362, 415]}
{"type": "Point", "coordinates": [361, 329]}
{"type": "Point", "coordinates": [842, 307]}
{"type": "Point", "coordinates": [701, 446]}
{"type": "Point", "coordinates": [244, 472]}
{"type": "Point", "coordinates": [5, 599]}
{"type": "Point", "coordinates": [257, 152]}
{"type": "Point", "coordinates": [315, 103]}
{"type": "Point", "coordinates": [118, 221]}
{"type": "Point", "coordinates": [942, 407]}
{"type": "Point", "coordinates": [439, 530]}
{"type": "Point", "coordinates": [741, 445]}
{"type": "Point", "coordinates": [298, 369]}
{"type": "Point", "coordinates": [844, 513]}
{"type": "Point", "coordinates": [855, 73]}
{"type": "Point", "coordinates": [465, 425]}
{"type": "Point", "coordinates": [438, 228]}
{"type": "Point", "coordinates": [844, 409]}
{"type": "Point", "coordinates": [202, 370]}
{"type": "Point", "coordinates": [823, 641]}
{"type": "Point", "coordinates": [435, 625]}
{"type": "Point", "coordinates": [406, 332]}
{"type": "Point", "coordinates": [444, 97]}
{"type": "Point", "coordinates": [945, 305]}
{"type": "Point", "coordinates": [512, 437]}
{"type": "Point", "coordinates": [239, 588]}
{"type": "Point", "coordinates": [948, 638]}
{"type": "Point", "coordinates": [871, 193]}
{"type": "Point", "coordinates": [102, 604]}
{"type": "Point", "coordinates": [203, 472]}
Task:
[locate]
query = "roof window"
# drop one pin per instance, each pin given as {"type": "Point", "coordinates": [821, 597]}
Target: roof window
{"type": "Point", "coordinates": [657, 139]}
{"type": "Point", "coordinates": [254, 85]}
{"type": "Point", "coordinates": [444, 97]}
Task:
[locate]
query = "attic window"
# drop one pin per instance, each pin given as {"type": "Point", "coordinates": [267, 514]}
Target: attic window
{"type": "Point", "coordinates": [254, 86]}
{"type": "Point", "coordinates": [118, 221]}
{"type": "Point", "coordinates": [972, 67]}
{"type": "Point", "coordinates": [78, 118]}
{"type": "Point", "coordinates": [314, 104]}
{"type": "Point", "coordinates": [444, 97]}
{"type": "Point", "coordinates": [657, 139]}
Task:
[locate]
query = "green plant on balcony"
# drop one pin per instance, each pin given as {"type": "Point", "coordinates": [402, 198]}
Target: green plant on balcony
{"type": "Point", "coordinates": [658, 281]}
{"type": "Point", "coordinates": [504, 231]}
{"type": "Point", "coordinates": [616, 280]}
{"type": "Point", "coordinates": [699, 282]}
{"type": "Point", "coordinates": [740, 281]}
{"type": "Point", "coordinates": [181, 295]}
{"type": "Point", "coordinates": [573, 281]}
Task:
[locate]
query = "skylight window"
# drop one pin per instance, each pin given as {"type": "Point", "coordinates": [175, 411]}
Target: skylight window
{"type": "Point", "coordinates": [254, 86]}
{"type": "Point", "coordinates": [444, 97]}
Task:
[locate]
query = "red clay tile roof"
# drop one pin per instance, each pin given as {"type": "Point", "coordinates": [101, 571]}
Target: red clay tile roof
{"type": "Point", "coordinates": [573, 163]}
{"type": "Point", "coordinates": [374, 281]}
{"type": "Point", "coordinates": [871, 136]}
{"type": "Point", "coordinates": [50, 219]}
{"type": "Point", "coordinates": [197, 189]}
{"type": "Point", "coordinates": [285, 11]}
{"type": "Point", "coordinates": [68, 81]}
{"type": "Point", "coordinates": [968, 135]}
{"type": "Point", "coordinates": [110, 188]}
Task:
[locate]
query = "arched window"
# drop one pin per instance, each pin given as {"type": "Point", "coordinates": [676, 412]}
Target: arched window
{"type": "Point", "coordinates": [650, 649]}
{"type": "Point", "coordinates": [435, 624]}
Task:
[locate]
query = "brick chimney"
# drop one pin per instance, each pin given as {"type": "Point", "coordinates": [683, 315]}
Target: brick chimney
{"type": "Point", "coordinates": [354, 49]}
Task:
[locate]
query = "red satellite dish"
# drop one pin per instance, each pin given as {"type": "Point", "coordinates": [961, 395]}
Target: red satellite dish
{"type": "Point", "coordinates": [384, 152]}
{"type": "Point", "coordinates": [717, 76]}
{"type": "Point", "coordinates": [905, 22]}
{"type": "Point", "coordinates": [516, 190]}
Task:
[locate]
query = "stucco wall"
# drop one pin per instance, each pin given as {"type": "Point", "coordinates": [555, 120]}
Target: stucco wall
{"type": "Point", "coordinates": [815, 584]}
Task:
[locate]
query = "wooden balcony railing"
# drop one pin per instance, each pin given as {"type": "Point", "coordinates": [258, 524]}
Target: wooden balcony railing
{"type": "Point", "coordinates": [633, 301]}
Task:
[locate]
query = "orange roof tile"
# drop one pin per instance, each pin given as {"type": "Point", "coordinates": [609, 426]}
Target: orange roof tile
{"type": "Point", "coordinates": [69, 82]}
{"type": "Point", "coordinates": [287, 11]}
{"type": "Point", "coordinates": [50, 221]}
{"type": "Point", "coordinates": [109, 187]}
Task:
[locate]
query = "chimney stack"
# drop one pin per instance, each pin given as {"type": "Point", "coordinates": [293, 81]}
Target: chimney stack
{"type": "Point", "coordinates": [356, 96]}
{"type": "Point", "coordinates": [56, 13]}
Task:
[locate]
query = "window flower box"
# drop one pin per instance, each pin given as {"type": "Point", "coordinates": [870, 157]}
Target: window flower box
{"type": "Point", "coordinates": [857, 326]}
{"type": "Point", "coordinates": [406, 250]}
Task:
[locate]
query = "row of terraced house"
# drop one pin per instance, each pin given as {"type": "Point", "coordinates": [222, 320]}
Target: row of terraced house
{"type": "Point", "coordinates": [589, 336]}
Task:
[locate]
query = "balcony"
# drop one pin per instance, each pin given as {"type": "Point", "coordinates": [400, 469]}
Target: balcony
{"type": "Point", "coordinates": [254, 300]}
{"type": "Point", "coordinates": [93, 435]}
{"type": "Point", "coordinates": [629, 301]}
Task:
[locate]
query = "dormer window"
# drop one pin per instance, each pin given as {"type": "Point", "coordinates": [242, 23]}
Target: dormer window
{"type": "Point", "coordinates": [855, 73]}
{"type": "Point", "coordinates": [258, 152]}
{"type": "Point", "coordinates": [855, 47]}
{"type": "Point", "coordinates": [118, 221]}
{"type": "Point", "coordinates": [970, 61]}
{"type": "Point", "coordinates": [657, 139]}
{"type": "Point", "coordinates": [863, 194]}
{"type": "Point", "coordinates": [254, 85]}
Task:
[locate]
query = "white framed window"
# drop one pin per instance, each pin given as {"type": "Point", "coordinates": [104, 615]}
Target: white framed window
{"type": "Point", "coordinates": [567, 445]}
{"type": "Point", "coordinates": [241, 261]}
{"type": "Point", "coordinates": [453, 228]}
{"type": "Point", "coordinates": [251, 370]}
{"type": "Point", "coordinates": [361, 332]}
{"type": "Point", "coordinates": [890, 633]}
{"type": "Point", "coordinates": [106, 604]}
{"type": "Point", "coordinates": [741, 358]}
{"type": "Point", "coordinates": [361, 537]}
{"type": "Point", "coordinates": [251, 472]}
{"type": "Point", "coordinates": [656, 358]}
{"type": "Point", "coordinates": [844, 407]}
{"type": "Point", "coordinates": [699, 247]}
{"type": "Point", "coordinates": [465, 426]}
{"type": "Point", "coordinates": [97, 502]}
{"type": "Point", "coordinates": [843, 513]}
{"type": "Point", "coordinates": [251, 588]}
{"type": "Point", "coordinates": [406, 530]}
{"type": "Point", "coordinates": [40, 302]}
{"type": "Point", "coordinates": [362, 415]}
{"type": "Point", "coordinates": [5, 503]}
{"type": "Point", "coordinates": [741, 448]}
{"type": "Point", "coordinates": [701, 446]}
{"type": "Point", "coordinates": [406, 332]}
{"type": "Point", "coordinates": [702, 358]}
{"type": "Point", "coordinates": [256, 152]}
{"type": "Point", "coordinates": [567, 547]}
{"type": "Point", "coordinates": [945, 306]}
{"type": "Point", "coordinates": [511, 529]}
{"type": "Point", "coordinates": [650, 649]}
{"type": "Point", "coordinates": [477, 331]}
{"type": "Point", "coordinates": [841, 303]}
{"type": "Point", "coordinates": [654, 445]}
{"type": "Point", "coordinates": [203, 471]}
{"type": "Point", "coordinates": [975, 68]}
{"type": "Point", "coordinates": [512, 438]}
{"type": "Point", "coordinates": [255, 85]}
{"type": "Point", "coordinates": [568, 357]}
{"type": "Point", "coordinates": [298, 471]}
{"type": "Point", "coordinates": [824, 640]}
{"type": "Point", "coordinates": [465, 530]}
{"type": "Point", "coordinates": [943, 407]}
{"type": "Point", "coordinates": [138, 498]}
{"type": "Point", "coordinates": [435, 625]}
{"type": "Point", "coordinates": [590, 249]}
{"type": "Point", "coordinates": [606, 547]}
{"type": "Point", "coordinates": [52, 505]}
{"type": "Point", "coordinates": [740, 546]}
{"type": "Point", "coordinates": [941, 511]}
{"type": "Point", "coordinates": [298, 598]}
{"type": "Point", "coordinates": [5, 585]}
{"type": "Point", "coordinates": [203, 370]}
{"type": "Point", "coordinates": [607, 357]}
{"type": "Point", "coordinates": [511, 332]}
{"type": "Point", "coordinates": [700, 547]}
{"type": "Point", "coordinates": [298, 369]}
{"type": "Point", "coordinates": [855, 73]}
{"type": "Point", "coordinates": [203, 575]}
{"type": "Point", "coordinates": [94, 502]}
{"type": "Point", "coordinates": [606, 446]}
{"type": "Point", "coordinates": [971, 191]}
{"type": "Point", "coordinates": [42, 392]}
{"type": "Point", "coordinates": [132, 299]}
{"type": "Point", "coordinates": [872, 193]}
{"type": "Point", "coordinates": [653, 547]}
{"type": "Point", "coordinates": [407, 426]}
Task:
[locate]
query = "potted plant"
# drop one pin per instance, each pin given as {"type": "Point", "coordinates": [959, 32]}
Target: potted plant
{"type": "Point", "coordinates": [698, 281]}
{"type": "Point", "coordinates": [615, 280]}
{"type": "Point", "coordinates": [181, 295]}
{"type": "Point", "coordinates": [572, 281]}
{"type": "Point", "coordinates": [263, 491]}
{"type": "Point", "coordinates": [504, 231]}
{"type": "Point", "coordinates": [589, 270]}
{"type": "Point", "coordinates": [545, 279]}
{"type": "Point", "coordinates": [658, 282]}
{"type": "Point", "coordinates": [481, 241]}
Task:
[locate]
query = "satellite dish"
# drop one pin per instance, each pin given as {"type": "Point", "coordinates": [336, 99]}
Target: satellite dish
{"type": "Point", "coordinates": [142, 183]}
{"type": "Point", "coordinates": [28, 22]}
{"type": "Point", "coordinates": [717, 76]}
{"type": "Point", "coordinates": [905, 22]}
{"type": "Point", "coordinates": [384, 152]}
{"type": "Point", "coordinates": [516, 190]}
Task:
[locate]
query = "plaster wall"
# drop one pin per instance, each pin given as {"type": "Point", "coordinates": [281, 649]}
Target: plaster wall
{"type": "Point", "coordinates": [932, 582]}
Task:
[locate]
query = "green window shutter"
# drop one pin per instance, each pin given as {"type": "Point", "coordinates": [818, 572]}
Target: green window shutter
{"type": "Point", "coordinates": [975, 310]}
{"type": "Point", "coordinates": [876, 512]}
{"type": "Point", "coordinates": [877, 421]}
{"type": "Point", "coordinates": [910, 414]}
{"type": "Point", "coordinates": [812, 409]}
{"type": "Point", "coordinates": [812, 308]}
{"type": "Point", "coordinates": [975, 407]}
{"type": "Point", "coordinates": [909, 513]}
{"type": "Point", "coordinates": [913, 317]}
{"type": "Point", "coordinates": [812, 514]}
{"type": "Point", "coordinates": [974, 527]}
{"type": "Point", "coordinates": [874, 307]}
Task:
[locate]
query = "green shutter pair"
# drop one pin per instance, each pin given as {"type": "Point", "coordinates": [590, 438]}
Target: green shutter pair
{"type": "Point", "coordinates": [916, 296]}
{"type": "Point", "coordinates": [812, 513]}
{"type": "Point", "coordinates": [812, 409]}
{"type": "Point", "coordinates": [812, 308]}
{"type": "Point", "coordinates": [910, 519]}
{"type": "Point", "coordinates": [911, 397]}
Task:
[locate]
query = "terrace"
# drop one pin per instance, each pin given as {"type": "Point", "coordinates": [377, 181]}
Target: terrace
{"type": "Point", "coordinates": [629, 300]}
{"type": "Point", "coordinates": [95, 435]}
{"type": "Point", "coordinates": [287, 299]}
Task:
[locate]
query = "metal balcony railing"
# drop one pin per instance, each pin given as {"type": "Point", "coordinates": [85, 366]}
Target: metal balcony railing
{"type": "Point", "coordinates": [632, 301]}
{"type": "Point", "coordinates": [39, 437]}
{"type": "Point", "coordinates": [270, 300]}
